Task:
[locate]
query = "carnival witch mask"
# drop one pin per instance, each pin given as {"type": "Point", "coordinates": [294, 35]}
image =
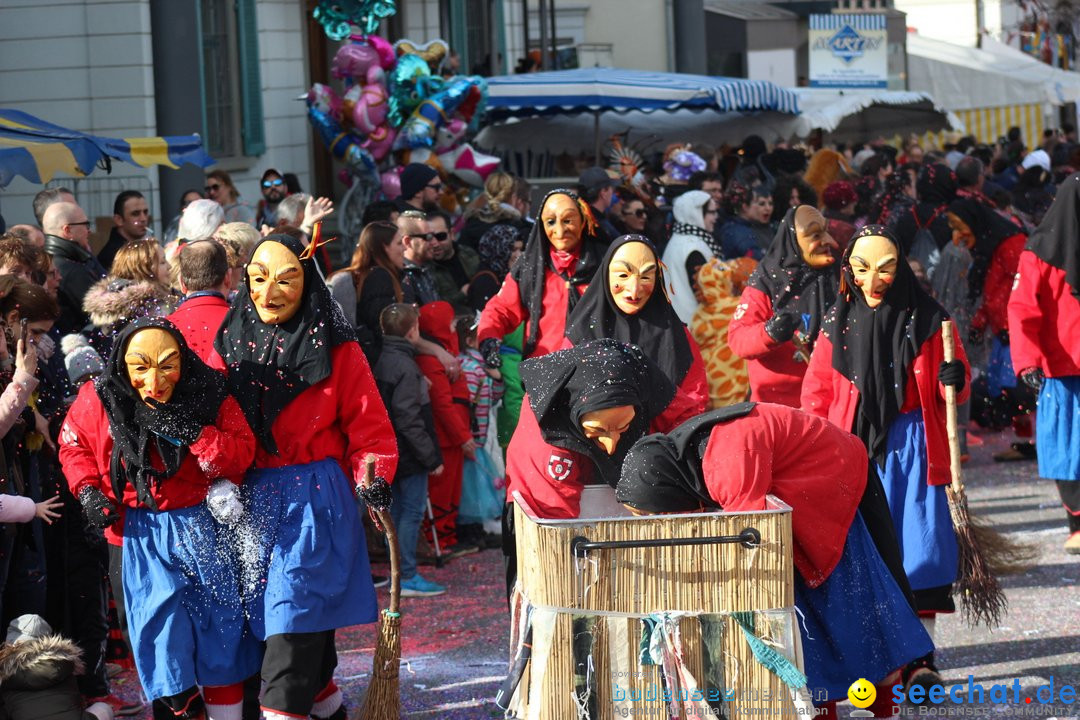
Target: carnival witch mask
{"type": "Point", "coordinates": [819, 250]}
{"type": "Point", "coordinates": [605, 427]}
{"type": "Point", "coordinates": [873, 266]}
{"type": "Point", "coordinates": [563, 222]}
{"type": "Point", "coordinates": [276, 282]}
{"type": "Point", "coordinates": [152, 358]}
{"type": "Point", "coordinates": [632, 276]}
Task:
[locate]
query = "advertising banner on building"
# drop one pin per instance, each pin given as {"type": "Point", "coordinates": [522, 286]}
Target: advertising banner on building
{"type": "Point", "coordinates": [848, 51]}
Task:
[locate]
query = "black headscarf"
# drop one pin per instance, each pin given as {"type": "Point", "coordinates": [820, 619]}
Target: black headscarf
{"type": "Point", "coordinates": [790, 283]}
{"type": "Point", "coordinates": [529, 271]}
{"type": "Point", "coordinates": [1057, 239]}
{"type": "Point", "coordinates": [198, 394]}
{"type": "Point", "coordinates": [656, 329]}
{"type": "Point", "coordinates": [269, 365]}
{"type": "Point", "coordinates": [873, 348]}
{"type": "Point", "coordinates": [663, 473]}
{"type": "Point", "coordinates": [989, 229]}
{"type": "Point", "coordinates": [563, 386]}
{"type": "Point", "coordinates": [935, 186]}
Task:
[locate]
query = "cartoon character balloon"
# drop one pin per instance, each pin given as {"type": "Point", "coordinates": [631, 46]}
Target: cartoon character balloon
{"type": "Point", "coordinates": [338, 16]}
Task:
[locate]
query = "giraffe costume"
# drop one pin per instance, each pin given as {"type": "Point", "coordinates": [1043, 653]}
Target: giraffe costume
{"type": "Point", "coordinates": [721, 283]}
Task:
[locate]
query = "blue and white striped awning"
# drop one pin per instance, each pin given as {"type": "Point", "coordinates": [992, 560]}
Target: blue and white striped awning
{"type": "Point", "coordinates": [613, 89]}
{"type": "Point", "coordinates": [37, 150]}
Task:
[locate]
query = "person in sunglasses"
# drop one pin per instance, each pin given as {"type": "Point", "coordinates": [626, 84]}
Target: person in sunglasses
{"type": "Point", "coordinates": [420, 188]}
{"type": "Point", "coordinates": [220, 189]}
{"type": "Point", "coordinates": [629, 216]}
{"type": "Point", "coordinates": [273, 190]}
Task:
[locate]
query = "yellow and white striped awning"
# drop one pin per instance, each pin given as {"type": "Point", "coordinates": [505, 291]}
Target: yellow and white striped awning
{"type": "Point", "coordinates": [989, 124]}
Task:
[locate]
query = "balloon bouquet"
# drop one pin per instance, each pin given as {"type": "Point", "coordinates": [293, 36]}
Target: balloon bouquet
{"type": "Point", "coordinates": [396, 109]}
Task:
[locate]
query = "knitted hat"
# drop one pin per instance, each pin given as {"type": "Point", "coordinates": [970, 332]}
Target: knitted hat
{"type": "Point", "coordinates": [81, 360]}
{"type": "Point", "coordinates": [838, 195]}
{"type": "Point", "coordinates": [414, 177]}
{"type": "Point", "coordinates": [27, 627]}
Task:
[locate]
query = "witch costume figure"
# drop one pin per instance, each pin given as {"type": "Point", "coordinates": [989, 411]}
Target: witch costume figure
{"type": "Point", "coordinates": [878, 370]}
{"type": "Point", "coordinates": [584, 407]}
{"type": "Point", "coordinates": [158, 433]}
{"type": "Point", "coordinates": [856, 622]}
{"type": "Point", "coordinates": [622, 303]}
{"type": "Point", "coordinates": [1044, 314]}
{"type": "Point", "coordinates": [305, 387]}
{"type": "Point", "coordinates": [544, 285]}
{"type": "Point", "coordinates": [776, 323]}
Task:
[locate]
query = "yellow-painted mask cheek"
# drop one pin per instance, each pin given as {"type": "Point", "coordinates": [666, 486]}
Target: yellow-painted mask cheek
{"type": "Point", "coordinates": [562, 221]}
{"type": "Point", "coordinates": [152, 358]}
{"type": "Point", "coordinates": [276, 282]}
{"type": "Point", "coordinates": [605, 427]}
{"type": "Point", "coordinates": [873, 265]}
{"type": "Point", "coordinates": [632, 276]}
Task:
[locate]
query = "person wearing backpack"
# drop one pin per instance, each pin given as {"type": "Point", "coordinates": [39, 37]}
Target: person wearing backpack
{"type": "Point", "coordinates": [924, 229]}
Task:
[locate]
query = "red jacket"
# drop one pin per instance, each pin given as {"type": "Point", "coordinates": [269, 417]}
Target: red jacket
{"type": "Point", "coordinates": [1044, 319]}
{"type": "Point", "coordinates": [775, 375]}
{"type": "Point", "coordinates": [198, 320]}
{"type": "Point", "coordinates": [449, 400]}
{"type": "Point", "coordinates": [691, 397]}
{"type": "Point", "coordinates": [504, 312]}
{"type": "Point", "coordinates": [993, 312]}
{"type": "Point", "coordinates": [828, 394]}
{"type": "Point", "coordinates": [812, 465]}
{"type": "Point", "coordinates": [551, 478]}
{"type": "Point", "coordinates": [340, 417]}
{"type": "Point", "coordinates": [224, 450]}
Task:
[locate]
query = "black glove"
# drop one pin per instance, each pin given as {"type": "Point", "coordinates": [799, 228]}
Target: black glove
{"type": "Point", "coordinates": [952, 373]}
{"type": "Point", "coordinates": [490, 350]}
{"type": "Point", "coordinates": [1033, 377]}
{"type": "Point", "coordinates": [100, 512]}
{"type": "Point", "coordinates": [377, 496]}
{"type": "Point", "coordinates": [781, 326]}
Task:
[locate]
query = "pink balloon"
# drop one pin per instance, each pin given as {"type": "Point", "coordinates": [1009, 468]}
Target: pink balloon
{"type": "Point", "coordinates": [379, 142]}
{"type": "Point", "coordinates": [391, 184]}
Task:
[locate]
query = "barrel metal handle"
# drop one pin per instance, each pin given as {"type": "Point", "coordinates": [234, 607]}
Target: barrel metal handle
{"type": "Point", "coordinates": [580, 545]}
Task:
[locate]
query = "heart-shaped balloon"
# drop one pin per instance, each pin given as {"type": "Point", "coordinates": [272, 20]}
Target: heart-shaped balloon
{"type": "Point", "coordinates": [432, 52]}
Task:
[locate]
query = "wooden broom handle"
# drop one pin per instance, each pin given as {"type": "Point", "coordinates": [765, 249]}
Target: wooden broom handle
{"type": "Point", "coordinates": [391, 541]}
{"type": "Point", "coordinates": [950, 411]}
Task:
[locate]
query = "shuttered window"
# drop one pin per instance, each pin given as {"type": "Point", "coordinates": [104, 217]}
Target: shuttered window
{"type": "Point", "coordinates": [232, 88]}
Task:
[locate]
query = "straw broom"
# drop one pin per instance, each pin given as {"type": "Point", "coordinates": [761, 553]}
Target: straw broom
{"type": "Point", "coordinates": [981, 596]}
{"type": "Point", "coordinates": [382, 701]}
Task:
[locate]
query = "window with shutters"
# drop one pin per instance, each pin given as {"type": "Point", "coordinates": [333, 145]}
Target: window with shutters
{"type": "Point", "coordinates": [232, 91]}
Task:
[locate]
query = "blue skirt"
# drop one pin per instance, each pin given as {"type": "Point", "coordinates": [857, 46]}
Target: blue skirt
{"type": "Point", "coordinates": [857, 624]}
{"type": "Point", "coordinates": [920, 512]}
{"type": "Point", "coordinates": [999, 369]}
{"type": "Point", "coordinates": [311, 570]}
{"type": "Point", "coordinates": [183, 602]}
{"type": "Point", "coordinates": [1057, 428]}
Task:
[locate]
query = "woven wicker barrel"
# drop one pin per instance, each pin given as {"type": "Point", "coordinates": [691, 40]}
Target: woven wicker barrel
{"type": "Point", "coordinates": [566, 565]}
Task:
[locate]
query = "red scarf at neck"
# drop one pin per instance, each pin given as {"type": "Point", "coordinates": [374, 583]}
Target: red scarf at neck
{"type": "Point", "coordinates": [564, 262]}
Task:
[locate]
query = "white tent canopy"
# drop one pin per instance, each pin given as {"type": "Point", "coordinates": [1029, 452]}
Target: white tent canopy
{"type": "Point", "coordinates": [846, 114]}
{"type": "Point", "coordinates": [963, 78]}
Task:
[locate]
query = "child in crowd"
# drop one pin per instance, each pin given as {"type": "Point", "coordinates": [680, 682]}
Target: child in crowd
{"type": "Point", "coordinates": [82, 361]}
{"type": "Point", "coordinates": [404, 392]}
{"type": "Point", "coordinates": [720, 284]}
{"type": "Point", "coordinates": [450, 404]}
{"type": "Point", "coordinates": [37, 675]}
{"type": "Point", "coordinates": [483, 484]}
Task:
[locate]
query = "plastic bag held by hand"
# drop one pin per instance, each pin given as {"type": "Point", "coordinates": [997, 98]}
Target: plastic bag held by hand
{"type": "Point", "coordinates": [224, 502]}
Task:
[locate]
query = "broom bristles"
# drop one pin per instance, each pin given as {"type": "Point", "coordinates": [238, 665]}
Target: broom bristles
{"type": "Point", "coordinates": [981, 595]}
{"type": "Point", "coordinates": [382, 699]}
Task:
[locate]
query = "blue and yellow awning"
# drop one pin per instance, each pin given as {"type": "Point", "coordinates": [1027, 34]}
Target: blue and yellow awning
{"type": "Point", "coordinates": [38, 150]}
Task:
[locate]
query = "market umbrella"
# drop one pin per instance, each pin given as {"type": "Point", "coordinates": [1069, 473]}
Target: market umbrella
{"type": "Point", "coordinates": [38, 150]}
{"type": "Point", "coordinates": [615, 90]}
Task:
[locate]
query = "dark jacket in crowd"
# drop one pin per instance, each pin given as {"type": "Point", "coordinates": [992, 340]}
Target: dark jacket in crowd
{"type": "Point", "coordinates": [111, 247]}
{"type": "Point", "coordinates": [405, 394]}
{"type": "Point", "coordinates": [79, 270]}
{"type": "Point", "coordinates": [37, 680]}
{"type": "Point", "coordinates": [454, 274]}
